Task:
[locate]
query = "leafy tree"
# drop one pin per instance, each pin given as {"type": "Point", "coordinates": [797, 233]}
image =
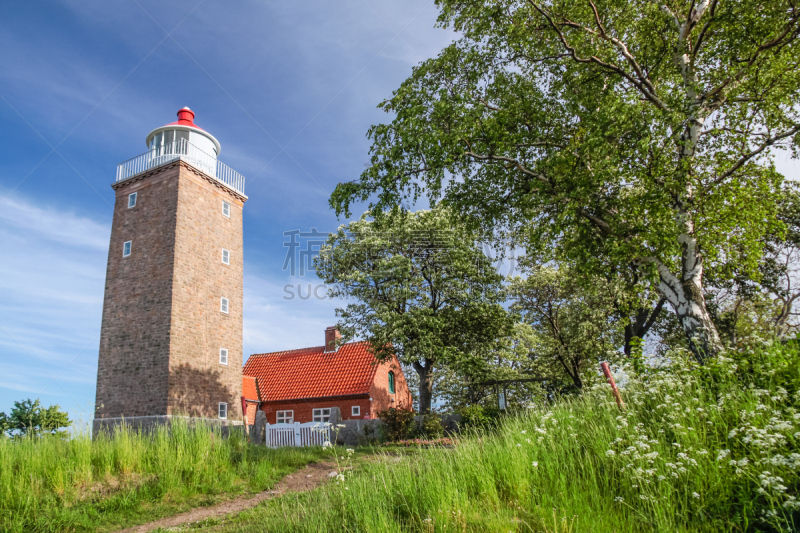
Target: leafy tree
{"type": "Point", "coordinates": [422, 287]}
{"type": "Point", "coordinates": [762, 303]}
{"type": "Point", "coordinates": [503, 367]}
{"type": "Point", "coordinates": [574, 326]}
{"type": "Point", "coordinates": [28, 417]}
{"type": "Point", "coordinates": [610, 134]}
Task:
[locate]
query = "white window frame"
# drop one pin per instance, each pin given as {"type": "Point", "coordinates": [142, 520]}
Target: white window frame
{"type": "Point", "coordinates": [223, 356]}
{"type": "Point", "coordinates": [132, 199]}
{"type": "Point", "coordinates": [224, 305]}
{"type": "Point", "coordinates": [281, 417]}
{"type": "Point", "coordinates": [322, 414]}
{"type": "Point", "coordinates": [127, 246]}
{"type": "Point", "coordinates": [355, 410]}
{"type": "Point", "coordinates": [223, 407]}
{"type": "Point", "coordinates": [226, 254]}
{"type": "Point", "coordinates": [226, 209]}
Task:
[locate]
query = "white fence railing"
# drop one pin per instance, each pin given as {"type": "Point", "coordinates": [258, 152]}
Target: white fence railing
{"type": "Point", "coordinates": [297, 434]}
{"type": "Point", "coordinates": [182, 149]}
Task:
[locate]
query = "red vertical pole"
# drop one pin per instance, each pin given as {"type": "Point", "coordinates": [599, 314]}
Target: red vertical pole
{"type": "Point", "coordinates": [610, 379]}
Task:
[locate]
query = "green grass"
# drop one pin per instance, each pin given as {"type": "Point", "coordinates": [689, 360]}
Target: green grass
{"type": "Point", "coordinates": [55, 485]}
{"type": "Point", "coordinates": [664, 464]}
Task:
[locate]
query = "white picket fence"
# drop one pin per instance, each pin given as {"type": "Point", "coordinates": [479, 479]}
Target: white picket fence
{"type": "Point", "coordinates": [297, 434]}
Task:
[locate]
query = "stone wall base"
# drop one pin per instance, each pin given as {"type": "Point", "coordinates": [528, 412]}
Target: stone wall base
{"type": "Point", "coordinates": [146, 424]}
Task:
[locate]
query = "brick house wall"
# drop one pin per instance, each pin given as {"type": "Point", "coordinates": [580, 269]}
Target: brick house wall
{"type": "Point", "coordinates": [162, 326]}
{"type": "Point", "coordinates": [303, 409]}
{"type": "Point", "coordinates": [382, 399]}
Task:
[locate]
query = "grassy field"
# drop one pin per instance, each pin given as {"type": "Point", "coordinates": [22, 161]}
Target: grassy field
{"type": "Point", "coordinates": [54, 485]}
{"type": "Point", "coordinates": [711, 450]}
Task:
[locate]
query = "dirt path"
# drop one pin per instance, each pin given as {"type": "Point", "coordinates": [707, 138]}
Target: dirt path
{"type": "Point", "coordinates": [308, 478]}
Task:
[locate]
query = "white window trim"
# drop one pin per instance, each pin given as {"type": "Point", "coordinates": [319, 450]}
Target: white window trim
{"type": "Point", "coordinates": [355, 410]}
{"type": "Point", "coordinates": [228, 262]}
{"type": "Point", "coordinates": [228, 214]}
{"type": "Point", "coordinates": [282, 414]}
{"type": "Point", "coordinates": [221, 350]}
{"type": "Point", "coordinates": [132, 196]}
{"type": "Point", "coordinates": [322, 416]}
{"type": "Point", "coordinates": [127, 245]}
{"type": "Point", "coordinates": [219, 411]}
{"type": "Point", "coordinates": [224, 305]}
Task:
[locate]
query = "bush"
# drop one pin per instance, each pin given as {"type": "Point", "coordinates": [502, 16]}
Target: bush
{"type": "Point", "coordinates": [397, 423]}
{"type": "Point", "coordinates": [478, 416]}
{"type": "Point", "coordinates": [431, 426]}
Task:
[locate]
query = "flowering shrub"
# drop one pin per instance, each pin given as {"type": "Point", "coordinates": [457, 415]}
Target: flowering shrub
{"type": "Point", "coordinates": [712, 438]}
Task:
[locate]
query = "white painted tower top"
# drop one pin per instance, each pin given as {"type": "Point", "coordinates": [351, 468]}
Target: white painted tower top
{"type": "Point", "coordinates": [184, 129]}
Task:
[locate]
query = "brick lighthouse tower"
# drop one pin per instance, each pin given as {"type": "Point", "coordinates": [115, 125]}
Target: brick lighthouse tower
{"type": "Point", "coordinates": [171, 337]}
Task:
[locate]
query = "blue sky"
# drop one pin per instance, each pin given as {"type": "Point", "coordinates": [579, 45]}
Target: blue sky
{"type": "Point", "coordinates": [288, 88]}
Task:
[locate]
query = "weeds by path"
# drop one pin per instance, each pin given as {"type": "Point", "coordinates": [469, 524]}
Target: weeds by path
{"type": "Point", "coordinates": [54, 485]}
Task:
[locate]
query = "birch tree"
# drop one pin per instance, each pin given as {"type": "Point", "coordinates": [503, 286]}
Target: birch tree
{"type": "Point", "coordinates": [632, 133]}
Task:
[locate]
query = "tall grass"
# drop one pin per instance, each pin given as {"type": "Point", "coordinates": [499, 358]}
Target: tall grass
{"type": "Point", "coordinates": [80, 484]}
{"type": "Point", "coordinates": [711, 449]}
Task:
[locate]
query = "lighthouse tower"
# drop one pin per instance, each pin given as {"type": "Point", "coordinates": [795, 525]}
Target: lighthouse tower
{"type": "Point", "coordinates": [171, 337]}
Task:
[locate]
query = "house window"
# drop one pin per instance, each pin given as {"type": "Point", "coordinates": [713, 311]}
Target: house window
{"type": "Point", "coordinates": [355, 410]}
{"type": "Point", "coordinates": [132, 200]}
{"type": "Point", "coordinates": [391, 382]}
{"type": "Point", "coordinates": [223, 305]}
{"type": "Point", "coordinates": [226, 256]}
{"type": "Point", "coordinates": [223, 410]}
{"type": "Point", "coordinates": [284, 417]}
{"type": "Point", "coordinates": [223, 356]}
{"type": "Point", "coordinates": [322, 415]}
{"type": "Point", "coordinates": [226, 209]}
{"type": "Point", "coordinates": [126, 248]}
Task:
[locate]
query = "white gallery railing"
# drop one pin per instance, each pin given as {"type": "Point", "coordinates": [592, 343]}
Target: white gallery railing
{"type": "Point", "coordinates": [186, 151]}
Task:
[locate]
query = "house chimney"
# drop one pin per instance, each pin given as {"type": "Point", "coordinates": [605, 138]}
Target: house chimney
{"type": "Point", "coordinates": [331, 336]}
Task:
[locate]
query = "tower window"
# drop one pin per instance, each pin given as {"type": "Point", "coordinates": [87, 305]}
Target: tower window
{"type": "Point", "coordinates": [355, 410]}
{"type": "Point", "coordinates": [391, 382]}
{"type": "Point", "coordinates": [126, 248]}
{"type": "Point", "coordinates": [132, 200]}
{"type": "Point", "coordinates": [223, 356]}
{"type": "Point", "coordinates": [223, 305]}
{"type": "Point", "coordinates": [226, 209]}
{"type": "Point", "coordinates": [226, 256]}
{"type": "Point", "coordinates": [223, 410]}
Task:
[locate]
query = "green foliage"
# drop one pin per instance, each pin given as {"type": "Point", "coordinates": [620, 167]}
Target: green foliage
{"type": "Point", "coordinates": [423, 290]}
{"type": "Point", "coordinates": [397, 424]}
{"type": "Point", "coordinates": [572, 323]}
{"type": "Point", "coordinates": [611, 135]}
{"type": "Point", "coordinates": [28, 417]}
{"type": "Point", "coordinates": [684, 456]}
{"type": "Point", "coordinates": [50, 484]}
{"type": "Point", "coordinates": [479, 416]}
{"type": "Point", "coordinates": [431, 426]}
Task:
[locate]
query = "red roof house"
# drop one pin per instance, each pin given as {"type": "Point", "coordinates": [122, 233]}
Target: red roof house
{"type": "Point", "coordinates": [303, 385]}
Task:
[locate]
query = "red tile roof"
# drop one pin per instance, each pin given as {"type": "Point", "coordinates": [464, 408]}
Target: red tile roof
{"type": "Point", "coordinates": [250, 388]}
{"type": "Point", "coordinates": [312, 373]}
